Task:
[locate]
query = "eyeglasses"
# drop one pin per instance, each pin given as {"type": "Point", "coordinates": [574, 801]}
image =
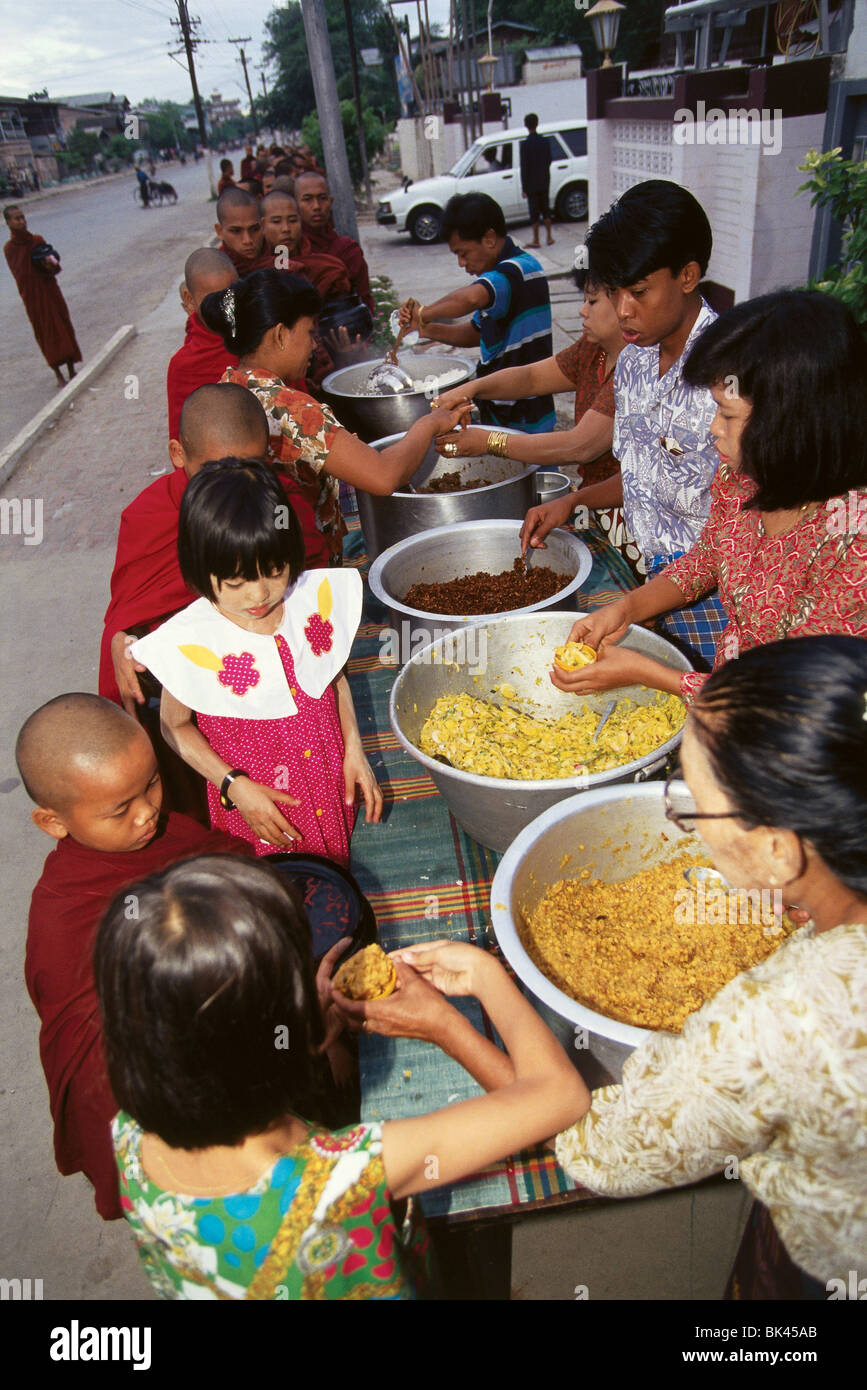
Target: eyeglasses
{"type": "Point", "coordinates": [684, 818]}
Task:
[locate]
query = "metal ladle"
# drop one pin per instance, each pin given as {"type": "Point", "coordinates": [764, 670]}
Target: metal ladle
{"type": "Point", "coordinates": [388, 377]}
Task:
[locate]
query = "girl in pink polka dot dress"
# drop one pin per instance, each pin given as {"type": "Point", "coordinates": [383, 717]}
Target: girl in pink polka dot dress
{"type": "Point", "coordinates": [254, 693]}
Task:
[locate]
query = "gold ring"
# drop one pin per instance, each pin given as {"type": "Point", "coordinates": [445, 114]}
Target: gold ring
{"type": "Point", "coordinates": [450, 450]}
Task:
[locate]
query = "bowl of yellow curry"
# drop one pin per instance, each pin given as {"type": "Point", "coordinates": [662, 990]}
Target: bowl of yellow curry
{"type": "Point", "coordinates": [596, 910]}
{"type": "Point", "coordinates": [477, 709]}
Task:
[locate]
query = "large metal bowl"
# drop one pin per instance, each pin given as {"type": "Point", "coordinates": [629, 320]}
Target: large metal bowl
{"type": "Point", "coordinates": [387, 520]}
{"type": "Point", "coordinates": [371, 417]}
{"type": "Point", "coordinates": [450, 552]}
{"type": "Point", "coordinates": [516, 650]}
{"type": "Point", "coordinates": [615, 832]}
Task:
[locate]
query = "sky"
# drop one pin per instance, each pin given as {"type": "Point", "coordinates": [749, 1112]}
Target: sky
{"type": "Point", "coordinates": [78, 46]}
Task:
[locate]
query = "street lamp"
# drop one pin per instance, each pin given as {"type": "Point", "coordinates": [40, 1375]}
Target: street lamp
{"type": "Point", "coordinates": [489, 61]}
{"type": "Point", "coordinates": [604, 20]}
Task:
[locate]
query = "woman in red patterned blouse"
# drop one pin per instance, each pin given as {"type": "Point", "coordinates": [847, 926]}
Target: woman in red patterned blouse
{"type": "Point", "coordinates": [587, 366]}
{"type": "Point", "coordinates": [786, 539]}
{"type": "Point", "coordinates": [267, 320]}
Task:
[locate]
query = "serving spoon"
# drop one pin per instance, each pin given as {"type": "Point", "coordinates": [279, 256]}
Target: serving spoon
{"type": "Point", "coordinates": [388, 377]}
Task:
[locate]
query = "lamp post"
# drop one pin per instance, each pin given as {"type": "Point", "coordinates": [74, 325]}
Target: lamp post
{"type": "Point", "coordinates": [604, 20]}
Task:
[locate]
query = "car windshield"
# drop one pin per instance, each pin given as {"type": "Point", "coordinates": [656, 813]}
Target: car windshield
{"type": "Point", "coordinates": [466, 160]}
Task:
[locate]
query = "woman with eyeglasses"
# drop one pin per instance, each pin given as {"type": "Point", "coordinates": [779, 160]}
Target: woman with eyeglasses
{"type": "Point", "coordinates": [785, 543]}
{"type": "Point", "coordinates": [769, 1077]}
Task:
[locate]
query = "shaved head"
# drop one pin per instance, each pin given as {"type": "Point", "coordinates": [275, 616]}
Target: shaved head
{"type": "Point", "coordinates": [277, 195]}
{"type": "Point", "coordinates": [67, 741]}
{"type": "Point", "coordinates": [222, 421]}
{"type": "Point", "coordinates": [310, 174]}
{"type": "Point", "coordinates": [205, 265]}
{"type": "Point", "coordinates": [284, 183]}
{"type": "Point", "coordinates": [233, 199]}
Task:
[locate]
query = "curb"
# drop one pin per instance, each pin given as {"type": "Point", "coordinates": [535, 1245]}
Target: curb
{"type": "Point", "coordinates": [11, 456]}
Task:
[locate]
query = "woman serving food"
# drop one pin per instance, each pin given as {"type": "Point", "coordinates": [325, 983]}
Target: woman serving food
{"type": "Point", "coordinates": [784, 542]}
{"type": "Point", "coordinates": [772, 1071]}
{"type": "Point", "coordinates": [267, 321]}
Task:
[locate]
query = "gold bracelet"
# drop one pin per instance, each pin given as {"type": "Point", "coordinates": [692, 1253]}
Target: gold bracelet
{"type": "Point", "coordinates": [421, 309]}
{"type": "Point", "coordinates": [497, 444]}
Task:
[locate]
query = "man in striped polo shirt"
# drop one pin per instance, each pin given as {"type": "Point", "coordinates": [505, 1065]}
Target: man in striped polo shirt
{"type": "Point", "coordinates": [509, 303]}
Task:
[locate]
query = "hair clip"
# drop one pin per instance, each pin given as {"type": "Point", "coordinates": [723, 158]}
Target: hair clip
{"type": "Point", "coordinates": [227, 304]}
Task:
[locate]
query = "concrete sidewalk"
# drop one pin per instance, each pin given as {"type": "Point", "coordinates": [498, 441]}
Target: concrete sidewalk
{"type": "Point", "coordinates": [108, 446]}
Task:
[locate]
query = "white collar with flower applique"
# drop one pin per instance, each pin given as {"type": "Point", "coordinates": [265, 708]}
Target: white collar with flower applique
{"type": "Point", "coordinates": [214, 667]}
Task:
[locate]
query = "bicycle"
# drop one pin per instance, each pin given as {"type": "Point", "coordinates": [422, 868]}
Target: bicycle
{"type": "Point", "coordinates": [155, 197]}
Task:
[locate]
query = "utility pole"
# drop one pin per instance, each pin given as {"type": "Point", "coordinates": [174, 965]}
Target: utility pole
{"type": "Point", "coordinates": [239, 43]}
{"type": "Point", "coordinates": [356, 93]}
{"type": "Point", "coordinates": [186, 25]}
{"type": "Point", "coordinates": [330, 125]}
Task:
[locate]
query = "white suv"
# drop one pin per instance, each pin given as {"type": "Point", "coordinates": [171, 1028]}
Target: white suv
{"type": "Point", "coordinates": [493, 166]}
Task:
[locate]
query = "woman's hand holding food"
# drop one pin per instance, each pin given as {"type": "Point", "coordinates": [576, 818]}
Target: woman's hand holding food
{"type": "Point", "coordinates": [605, 626]}
{"type": "Point", "coordinates": [447, 419]}
{"type": "Point", "coordinates": [613, 667]}
{"type": "Point", "coordinates": [453, 967]}
{"type": "Point", "coordinates": [458, 395]}
{"type": "Point", "coordinates": [464, 444]}
{"type": "Point", "coordinates": [542, 519]}
{"type": "Point", "coordinates": [415, 1010]}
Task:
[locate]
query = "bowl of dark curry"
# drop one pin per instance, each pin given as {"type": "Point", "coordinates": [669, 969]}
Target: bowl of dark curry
{"type": "Point", "coordinates": [444, 579]}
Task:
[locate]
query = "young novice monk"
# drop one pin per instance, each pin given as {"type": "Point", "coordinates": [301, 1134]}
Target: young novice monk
{"type": "Point", "coordinates": [239, 227]}
{"type": "Point", "coordinates": [204, 356]}
{"type": "Point", "coordinates": [93, 774]}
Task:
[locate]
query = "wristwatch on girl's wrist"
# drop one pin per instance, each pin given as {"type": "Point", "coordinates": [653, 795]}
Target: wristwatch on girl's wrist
{"type": "Point", "coordinates": [226, 783]}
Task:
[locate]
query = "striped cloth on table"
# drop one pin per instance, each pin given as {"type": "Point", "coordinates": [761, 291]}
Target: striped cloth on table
{"type": "Point", "coordinates": [696, 629]}
{"type": "Point", "coordinates": [425, 878]}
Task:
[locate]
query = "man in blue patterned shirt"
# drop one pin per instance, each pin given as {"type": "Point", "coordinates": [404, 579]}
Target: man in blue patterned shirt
{"type": "Point", "coordinates": [509, 303]}
{"type": "Point", "coordinates": [651, 250]}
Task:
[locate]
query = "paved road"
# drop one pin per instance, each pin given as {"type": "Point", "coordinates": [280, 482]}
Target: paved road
{"type": "Point", "coordinates": [116, 258]}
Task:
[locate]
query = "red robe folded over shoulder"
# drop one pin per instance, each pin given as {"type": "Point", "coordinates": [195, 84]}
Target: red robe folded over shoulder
{"type": "Point", "coordinates": [76, 886]}
{"type": "Point", "coordinates": [146, 584]}
{"type": "Point", "coordinates": [43, 300]}
{"type": "Point", "coordinates": [200, 362]}
{"type": "Point", "coordinates": [346, 250]}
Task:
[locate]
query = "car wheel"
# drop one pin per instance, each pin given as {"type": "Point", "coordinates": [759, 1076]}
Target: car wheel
{"type": "Point", "coordinates": [425, 225]}
{"type": "Point", "coordinates": [572, 203]}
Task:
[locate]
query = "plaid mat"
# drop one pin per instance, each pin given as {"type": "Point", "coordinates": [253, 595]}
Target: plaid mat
{"type": "Point", "coordinates": [426, 878]}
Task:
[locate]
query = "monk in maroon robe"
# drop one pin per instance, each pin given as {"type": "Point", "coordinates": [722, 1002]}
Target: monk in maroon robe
{"type": "Point", "coordinates": [204, 356]}
{"type": "Point", "coordinates": [93, 774]}
{"type": "Point", "coordinates": [314, 202]}
{"type": "Point", "coordinates": [37, 285]}
{"type": "Point", "coordinates": [239, 227]}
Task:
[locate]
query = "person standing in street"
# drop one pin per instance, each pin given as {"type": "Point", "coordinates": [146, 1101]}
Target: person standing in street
{"type": "Point", "coordinates": [535, 176]}
{"type": "Point", "coordinates": [35, 264]}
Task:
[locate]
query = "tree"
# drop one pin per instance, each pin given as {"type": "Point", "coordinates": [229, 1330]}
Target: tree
{"type": "Point", "coordinates": [558, 21]}
{"type": "Point", "coordinates": [841, 186]}
{"type": "Point", "coordinates": [374, 136]}
{"type": "Point", "coordinates": [291, 98]}
{"type": "Point", "coordinates": [165, 126]}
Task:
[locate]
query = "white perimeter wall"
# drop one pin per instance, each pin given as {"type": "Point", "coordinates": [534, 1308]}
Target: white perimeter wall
{"type": "Point", "coordinates": [761, 229]}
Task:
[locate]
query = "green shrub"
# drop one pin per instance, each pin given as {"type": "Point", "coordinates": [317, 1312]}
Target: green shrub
{"type": "Point", "coordinates": [841, 186]}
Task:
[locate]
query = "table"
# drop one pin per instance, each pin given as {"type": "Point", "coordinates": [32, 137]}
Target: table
{"type": "Point", "coordinates": [425, 877]}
